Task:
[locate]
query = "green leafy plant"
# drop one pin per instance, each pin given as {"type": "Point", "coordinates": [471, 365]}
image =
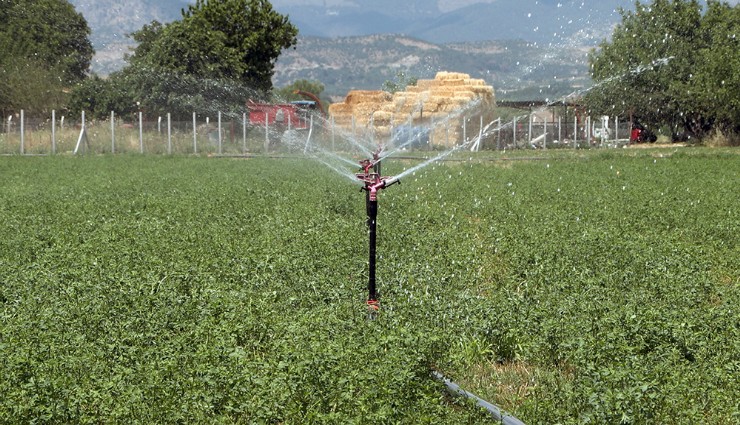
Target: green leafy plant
{"type": "Point", "coordinates": [571, 289]}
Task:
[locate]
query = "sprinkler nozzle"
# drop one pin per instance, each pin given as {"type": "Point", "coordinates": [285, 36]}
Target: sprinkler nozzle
{"type": "Point", "coordinates": [391, 181]}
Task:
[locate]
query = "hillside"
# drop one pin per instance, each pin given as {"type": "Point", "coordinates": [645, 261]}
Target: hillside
{"type": "Point", "coordinates": [511, 66]}
{"type": "Point", "coordinates": [542, 70]}
{"type": "Point", "coordinates": [112, 20]}
{"type": "Point", "coordinates": [537, 21]}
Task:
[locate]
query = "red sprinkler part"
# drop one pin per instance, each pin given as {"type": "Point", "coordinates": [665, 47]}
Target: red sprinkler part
{"type": "Point", "coordinates": [367, 165]}
{"type": "Point", "coordinates": [373, 306]}
{"type": "Point", "coordinates": [373, 163]}
{"type": "Point", "coordinates": [373, 181]}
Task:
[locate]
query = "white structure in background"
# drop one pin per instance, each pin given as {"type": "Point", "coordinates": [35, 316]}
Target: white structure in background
{"type": "Point", "coordinates": [602, 131]}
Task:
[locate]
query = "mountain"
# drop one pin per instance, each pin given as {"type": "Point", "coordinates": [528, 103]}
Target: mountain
{"type": "Point", "coordinates": [547, 22]}
{"type": "Point", "coordinates": [540, 21]}
{"type": "Point", "coordinates": [513, 44]}
{"type": "Point", "coordinates": [516, 68]}
{"type": "Point", "coordinates": [112, 20]}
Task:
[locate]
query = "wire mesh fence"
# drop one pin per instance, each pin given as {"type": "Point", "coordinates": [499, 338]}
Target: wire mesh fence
{"type": "Point", "coordinates": [235, 134]}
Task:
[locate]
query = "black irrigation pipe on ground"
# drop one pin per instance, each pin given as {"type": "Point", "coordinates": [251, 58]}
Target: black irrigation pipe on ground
{"type": "Point", "coordinates": [495, 412]}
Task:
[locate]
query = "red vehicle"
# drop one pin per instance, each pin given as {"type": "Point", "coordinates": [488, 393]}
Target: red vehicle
{"type": "Point", "coordinates": [640, 134]}
{"type": "Point", "coordinates": [290, 116]}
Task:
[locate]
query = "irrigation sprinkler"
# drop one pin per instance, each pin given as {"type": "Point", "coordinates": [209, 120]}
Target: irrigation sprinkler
{"type": "Point", "coordinates": [370, 176]}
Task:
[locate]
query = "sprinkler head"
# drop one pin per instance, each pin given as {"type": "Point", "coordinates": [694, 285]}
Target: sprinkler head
{"type": "Point", "coordinates": [376, 154]}
{"type": "Point", "coordinates": [370, 175]}
{"type": "Point", "coordinates": [373, 183]}
{"type": "Point", "coordinates": [367, 165]}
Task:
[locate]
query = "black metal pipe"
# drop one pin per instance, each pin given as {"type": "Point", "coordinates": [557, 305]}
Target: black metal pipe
{"type": "Point", "coordinates": [372, 215]}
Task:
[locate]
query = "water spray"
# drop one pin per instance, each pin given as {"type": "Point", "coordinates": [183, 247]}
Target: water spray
{"type": "Point", "coordinates": [373, 183]}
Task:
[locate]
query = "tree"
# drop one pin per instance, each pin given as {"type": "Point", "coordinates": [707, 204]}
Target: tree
{"type": "Point", "coordinates": [717, 81]}
{"type": "Point", "coordinates": [99, 96]}
{"type": "Point", "coordinates": [656, 65]}
{"type": "Point", "coordinates": [221, 53]}
{"type": "Point", "coordinates": [44, 49]}
{"type": "Point", "coordinates": [401, 81]}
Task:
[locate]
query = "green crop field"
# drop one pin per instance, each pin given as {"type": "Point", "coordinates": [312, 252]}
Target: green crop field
{"type": "Point", "coordinates": [597, 287]}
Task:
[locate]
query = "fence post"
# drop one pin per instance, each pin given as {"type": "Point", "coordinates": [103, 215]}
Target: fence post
{"type": "Point", "coordinates": [529, 133]}
{"type": "Point", "coordinates": [616, 130]}
{"type": "Point", "coordinates": [23, 132]}
{"type": "Point", "coordinates": [465, 130]}
{"type": "Point", "coordinates": [83, 135]}
{"type": "Point", "coordinates": [244, 133]}
{"type": "Point", "coordinates": [514, 136]}
{"type": "Point", "coordinates": [590, 130]}
{"type": "Point", "coordinates": [195, 136]}
{"type": "Point", "coordinates": [575, 131]}
{"type": "Point", "coordinates": [219, 133]}
{"type": "Point", "coordinates": [544, 139]}
{"type": "Point", "coordinates": [112, 132]}
{"type": "Point", "coordinates": [169, 133]}
{"type": "Point", "coordinates": [560, 130]}
{"type": "Point", "coordinates": [141, 132]}
{"type": "Point", "coordinates": [267, 133]}
{"type": "Point", "coordinates": [53, 131]}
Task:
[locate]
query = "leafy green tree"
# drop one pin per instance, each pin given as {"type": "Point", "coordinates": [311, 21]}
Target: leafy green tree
{"type": "Point", "coordinates": [29, 85]}
{"type": "Point", "coordinates": [717, 82]}
{"type": "Point", "coordinates": [401, 81]}
{"type": "Point", "coordinates": [99, 96]}
{"type": "Point", "coordinates": [220, 53]}
{"type": "Point", "coordinates": [655, 66]}
{"type": "Point", "coordinates": [44, 49]}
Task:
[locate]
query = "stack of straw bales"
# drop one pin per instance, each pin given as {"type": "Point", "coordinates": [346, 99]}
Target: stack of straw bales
{"type": "Point", "coordinates": [440, 104]}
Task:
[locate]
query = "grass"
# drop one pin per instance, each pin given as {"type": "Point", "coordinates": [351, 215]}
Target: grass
{"type": "Point", "coordinates": [566, 287]}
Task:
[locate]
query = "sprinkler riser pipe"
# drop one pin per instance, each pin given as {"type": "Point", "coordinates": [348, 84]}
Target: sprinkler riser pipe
{"type": "Point", "coordinates": [372, 215]}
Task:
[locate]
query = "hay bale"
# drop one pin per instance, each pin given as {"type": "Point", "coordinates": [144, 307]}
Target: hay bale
{"type": "Point", "coordinates": [382, 130]}
{"type": "Point", "coordinates": [421, 85]}
{"type": "Point", "coordinates": [382, 117]}
{"type": "Point", "coordinates": [340, 108]}
{"type": "Point", "coordinates": [356, 97]}
{"type": "Point", "coordinates": [427, 100]}
{"type": "Point", "coordinates": [452, 82]}
{"type": "Point", "coordinates": [430, 107]}
{"type": "Point", "coordinates": [443, 75]}
{"type": "Point", "coordinates": [464, 96]}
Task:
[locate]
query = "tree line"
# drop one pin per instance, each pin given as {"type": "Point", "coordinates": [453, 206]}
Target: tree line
{"type": "Point", "coordinates": [673, 66]}
{"type": "Point", "coordinates": [218, 55]}
{"type": "Point", "coordinates": [670, 64]}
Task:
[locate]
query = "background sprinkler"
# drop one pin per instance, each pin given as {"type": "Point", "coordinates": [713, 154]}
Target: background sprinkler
{"type": "Point", "coordinates": [373, 183]}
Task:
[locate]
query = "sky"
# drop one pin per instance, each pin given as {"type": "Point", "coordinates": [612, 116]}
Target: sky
{"type": "Point", "coordinates": [443, 5]}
